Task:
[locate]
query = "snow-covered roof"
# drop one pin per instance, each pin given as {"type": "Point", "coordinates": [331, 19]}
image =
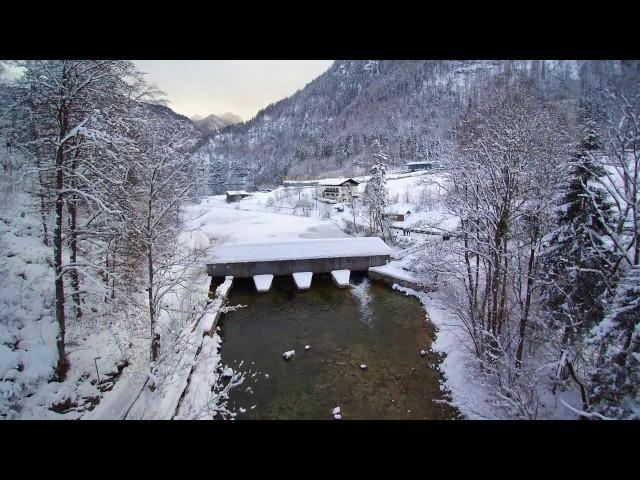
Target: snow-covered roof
{"type": "Point", "coordinates": [400, 207]}
{"type": "Point", "coordinates": [397, 211]}
{"type": "Point", "coordinates": [335, 182]}
{"type": "Point", "coordinates": [299, 250]}
{"type": "Point", "coordinates": [426, 162]}
{"type": "Point", "coordinates": [236, 192]}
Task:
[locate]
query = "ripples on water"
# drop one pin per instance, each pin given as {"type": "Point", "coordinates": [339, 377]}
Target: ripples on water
{"type": "Point", "coordinates": [367, 323]}
{"type": "Point", "coordinates": [363, 294]}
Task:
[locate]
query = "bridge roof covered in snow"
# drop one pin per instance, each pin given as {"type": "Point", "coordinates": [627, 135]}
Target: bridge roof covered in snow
{"type": "Point", "coordinates": [299, 250]}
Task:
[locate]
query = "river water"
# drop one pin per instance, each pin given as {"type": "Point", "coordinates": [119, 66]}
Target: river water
{"type": "Point", "coordinates": [366, 324]}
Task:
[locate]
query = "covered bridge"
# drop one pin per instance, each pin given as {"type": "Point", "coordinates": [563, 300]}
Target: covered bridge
{"type": "Point", "coordinates": [296, 257]}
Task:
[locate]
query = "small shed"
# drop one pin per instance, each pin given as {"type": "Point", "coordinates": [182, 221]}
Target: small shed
{"type": "Point", "coordinates": [235, 195]}
{"type": "Point", "coordinates": [399, 216]}
{"type": "Point", "coordinates": [415, 166]}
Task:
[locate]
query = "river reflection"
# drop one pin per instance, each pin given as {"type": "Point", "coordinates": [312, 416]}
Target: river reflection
{"type": "Point", "coordinates": [366, 324]}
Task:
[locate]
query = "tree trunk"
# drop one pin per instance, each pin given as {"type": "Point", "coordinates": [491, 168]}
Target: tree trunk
{"type": "Point", "coordinates": [63, 123]}
{"type": "Point", "coordinates": [73, 240]}
{"type": "Point", "coordinates": [503, 294]}
{"type": "Point", "coordinates": [353, 211]}
{"type": "Point", "coordinates": [583, 389]}
{"type": "Point", "coordinates": [61, 369]}
{"type": "Point", "coordinates": [73, 243]}
{"type": "Point", "coordinates": [467, 262]}
{"type": "Point", "coordinates": [43, 210]}
{"type": "Point", "coordinates": [152, 311]}
{"type": "Point", "coordinates": [41, 192]}
{"type": "Point", "coordinates": [527, 302]}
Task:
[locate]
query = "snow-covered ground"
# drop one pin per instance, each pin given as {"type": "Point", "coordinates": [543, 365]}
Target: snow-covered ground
{"type": "Point", "coordinates": [399, 269]}
{"type": "Point", "coordinates": [249, 221]}
{"type": "Point", "coordinates": [289, 213]}
{"type": "Point", "coordinates": [96, 348]}
{"type": "Point", "coordinates": [108, 354]}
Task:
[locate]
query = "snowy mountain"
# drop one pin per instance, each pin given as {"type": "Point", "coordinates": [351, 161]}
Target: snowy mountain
{"type": "Point", "coordinates": [230, 118]}
{"type": "Point", "coordinates": [214, 123]}
{"type": "Point", "coordinates": [177, 121]}
{"type": "Point", "coordinates": [409, 106]}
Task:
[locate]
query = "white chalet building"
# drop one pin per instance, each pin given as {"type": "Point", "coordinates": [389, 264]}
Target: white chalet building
{"type": "Point", "coordinates": [339, 189]}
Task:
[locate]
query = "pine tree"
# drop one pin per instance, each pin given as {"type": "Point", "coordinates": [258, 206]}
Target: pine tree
{"type": "Point", "coordinates": [375, 193]}
{"type": "Point", "coordinates": [575, 262]}
{"type": "Point", "coordinates": [616, 378]}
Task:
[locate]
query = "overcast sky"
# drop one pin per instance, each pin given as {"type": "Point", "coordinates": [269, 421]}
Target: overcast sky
{"type": "Point", "coordinates": [242, 87]}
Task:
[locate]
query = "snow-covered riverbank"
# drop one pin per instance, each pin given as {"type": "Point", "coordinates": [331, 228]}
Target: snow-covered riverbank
{"type": "Point", "coordinates": [187, 388]}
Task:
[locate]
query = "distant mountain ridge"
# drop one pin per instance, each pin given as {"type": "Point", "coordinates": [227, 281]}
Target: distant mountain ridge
{"type": "Point", "coordinates": [409, 106]}
{"type": "Point", "coordinates": [230, 118]}
{"type": "Point", "coordinates": [212, 123]}
{"type": "Point", "coordinates": [167, 114]}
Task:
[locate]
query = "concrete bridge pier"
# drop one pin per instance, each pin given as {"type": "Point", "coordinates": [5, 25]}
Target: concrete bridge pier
{"type": "Point", "coordinates": [263, 282]}
{"type": "Point", "coordinates": [303, 280]}
{"type": "Point", "coordinates": [300, 258]}
{"type": "Point", "coordinates": [341, 277]}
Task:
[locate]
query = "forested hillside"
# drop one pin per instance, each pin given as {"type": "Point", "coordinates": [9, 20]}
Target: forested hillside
{"type": "Point", "coordinates": [410, 107]}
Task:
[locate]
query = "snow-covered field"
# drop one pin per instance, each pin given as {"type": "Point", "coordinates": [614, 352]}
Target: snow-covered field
{"type": "Point", "coordinates": [289, 213]}
{"type": "Point", "coordinates": [249, 221]}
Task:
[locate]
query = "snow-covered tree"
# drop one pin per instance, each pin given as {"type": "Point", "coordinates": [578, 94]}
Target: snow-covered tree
{"type": "Point", "coordinates": [614, 380]}
{"type": "Point", "coordinates": [575, 262]}
{"type": "Point", "coordinates": [162, 176]}
{"type": "Point", "coordinates": [501, 186]}
{"type": "Point", "coordinates": [375, 193]}
{"type": "Point", "coordinates": [65, 108]}
{"type": "Point", "coordinates": [622, 172]}
{"type": "Point", "coordinates": [616, 376]}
